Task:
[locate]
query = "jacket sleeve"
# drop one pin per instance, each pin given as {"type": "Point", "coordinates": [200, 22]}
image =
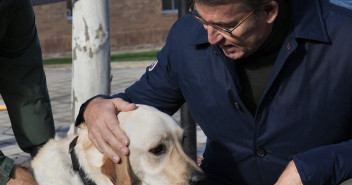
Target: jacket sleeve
{"type": "Point", "coordinates": [22, 78]}
{"type": "Point", "coordinates": [326, 165]}
{"type": "Point", "coordinates": [158, 86]}
{"type": "Point", "coordinates": [6, 166]}
{"type": "Point", "coordinates": [330, 164]}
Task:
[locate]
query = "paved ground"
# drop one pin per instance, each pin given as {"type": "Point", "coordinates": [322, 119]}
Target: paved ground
{"type": "Point", "coordinates": [59, 85]}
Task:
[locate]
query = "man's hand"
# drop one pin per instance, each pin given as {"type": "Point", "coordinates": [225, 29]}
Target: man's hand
{"type": "Point", "coordinates": [21, 177]}
{"type": "Point", "coordinates": [104, 130]}
{"type": "Point", "coordinates": [290, 176]}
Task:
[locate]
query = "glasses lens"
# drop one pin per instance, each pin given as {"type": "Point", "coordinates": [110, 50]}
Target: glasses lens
{"type": "Point", "coordinates": [221, 29]}
{"type": "Point", "coordinates": [216, 27]}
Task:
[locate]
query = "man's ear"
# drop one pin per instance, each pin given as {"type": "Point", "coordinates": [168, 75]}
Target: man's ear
{"type": "Point", "coordinates": [271, 10]}
{"type": "Point", "coordinates": [119, 173]}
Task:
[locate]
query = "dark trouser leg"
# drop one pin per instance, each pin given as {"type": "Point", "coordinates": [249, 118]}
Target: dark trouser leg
{"type": "Point", "coordinates": [22, 79]}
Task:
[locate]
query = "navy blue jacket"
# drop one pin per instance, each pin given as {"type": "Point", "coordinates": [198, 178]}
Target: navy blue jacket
{"type": "Point", "coordinates": [305, 113]}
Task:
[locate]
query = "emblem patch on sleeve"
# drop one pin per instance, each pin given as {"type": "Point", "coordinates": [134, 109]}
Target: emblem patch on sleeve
{"type": "Point", "coordinates": [151, 67]}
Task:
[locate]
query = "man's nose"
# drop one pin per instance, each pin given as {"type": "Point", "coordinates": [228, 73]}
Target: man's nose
{"type": "Point", "coordinates": [213, 35]}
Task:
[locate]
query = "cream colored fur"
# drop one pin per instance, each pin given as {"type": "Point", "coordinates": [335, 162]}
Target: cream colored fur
{"type": "Point", "coordinates": [156, 155]}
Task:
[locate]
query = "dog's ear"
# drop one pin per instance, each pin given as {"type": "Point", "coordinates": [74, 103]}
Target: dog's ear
{"type": "Point", "coordinates": [120, 173]}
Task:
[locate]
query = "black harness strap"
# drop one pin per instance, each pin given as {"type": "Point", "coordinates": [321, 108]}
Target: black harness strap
{"type": "Point", "coordinates": [75, 163]}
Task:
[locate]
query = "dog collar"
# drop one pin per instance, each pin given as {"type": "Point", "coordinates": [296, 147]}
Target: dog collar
{"type": "Point", "coordinates": [75, 164]}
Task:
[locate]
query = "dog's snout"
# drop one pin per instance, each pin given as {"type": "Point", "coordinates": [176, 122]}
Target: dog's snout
{"type": "Point", "coordinates": [197, 178]}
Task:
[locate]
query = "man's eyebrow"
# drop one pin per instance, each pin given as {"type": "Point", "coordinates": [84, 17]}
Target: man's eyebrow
{"type": "Point", "coordinates": [233, 22]}
{"type": "Point", "coordinates": [224, 24]}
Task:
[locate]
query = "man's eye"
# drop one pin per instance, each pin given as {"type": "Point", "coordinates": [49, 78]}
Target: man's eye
{"type": "Point", "coordinates": [228, 26]}
{"type": "Point", "coordinates": [158, 150]}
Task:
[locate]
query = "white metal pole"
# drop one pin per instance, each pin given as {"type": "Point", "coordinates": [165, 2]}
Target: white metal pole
{"type": "Point", "coordinates": [90, 52]}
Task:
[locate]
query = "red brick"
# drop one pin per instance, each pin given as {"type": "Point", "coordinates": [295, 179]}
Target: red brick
{"type": "Point", "coordinates": [134, 24]}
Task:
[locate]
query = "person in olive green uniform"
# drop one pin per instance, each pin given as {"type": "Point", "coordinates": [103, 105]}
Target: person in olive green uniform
{"type": "Point", "coordinates": [23, 83]}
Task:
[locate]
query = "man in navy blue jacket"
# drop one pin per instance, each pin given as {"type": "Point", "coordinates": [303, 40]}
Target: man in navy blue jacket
{"type": "Point", "coordinates": [269, 82]}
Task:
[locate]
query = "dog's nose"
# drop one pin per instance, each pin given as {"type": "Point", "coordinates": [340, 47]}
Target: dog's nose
{"type": "Point", "coordinates": [197, 178]}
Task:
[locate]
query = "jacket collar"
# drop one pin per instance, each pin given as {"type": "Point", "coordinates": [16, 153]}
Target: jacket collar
{"type": "Point", "coordinates": [306, 18]}
{"type": "Point", "coordinates": [201, 36]}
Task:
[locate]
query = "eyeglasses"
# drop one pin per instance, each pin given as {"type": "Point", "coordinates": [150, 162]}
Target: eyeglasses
{"type": "Point", "coordinates": [222, 29]}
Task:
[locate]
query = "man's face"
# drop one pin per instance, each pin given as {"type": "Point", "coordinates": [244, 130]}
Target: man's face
{"type": "Point", "coordinates": [246, 38]}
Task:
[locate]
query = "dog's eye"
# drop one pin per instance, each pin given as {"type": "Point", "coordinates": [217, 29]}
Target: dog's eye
{"type": "Point", "coordinates": [158, 150]}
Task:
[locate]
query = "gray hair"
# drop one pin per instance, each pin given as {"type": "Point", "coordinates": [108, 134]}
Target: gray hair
{"type": "Point", "coordinates": [252, 4]}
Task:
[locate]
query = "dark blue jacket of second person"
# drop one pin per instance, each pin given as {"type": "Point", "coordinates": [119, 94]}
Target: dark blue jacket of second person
{"type": "Point", "coordinates": [305, 113]}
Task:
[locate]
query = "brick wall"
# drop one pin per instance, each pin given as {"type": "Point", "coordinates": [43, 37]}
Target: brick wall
{"type": "Point", "coordinates": [134, 24]}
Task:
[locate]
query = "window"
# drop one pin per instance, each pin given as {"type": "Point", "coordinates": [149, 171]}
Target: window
{"type": "Point", "coordinates": [69, 10]}
{"type": "Point", "coordinates": [170, 6]}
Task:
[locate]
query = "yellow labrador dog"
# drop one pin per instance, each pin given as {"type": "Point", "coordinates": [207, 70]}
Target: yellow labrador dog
{"type": "Point", "coordinates": [156, 156]}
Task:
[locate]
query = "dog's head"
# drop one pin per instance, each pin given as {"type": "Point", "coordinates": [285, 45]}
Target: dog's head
{"type": "Point", "coordinates": [156, 154]}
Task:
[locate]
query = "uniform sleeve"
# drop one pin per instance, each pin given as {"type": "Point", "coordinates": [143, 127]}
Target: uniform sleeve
{"type": "Point", "coordinates": [22, 78]}
{"type": "Point", "coordinates": [326, 165]}
{"type": "Point", "coordinates": [6, 166]}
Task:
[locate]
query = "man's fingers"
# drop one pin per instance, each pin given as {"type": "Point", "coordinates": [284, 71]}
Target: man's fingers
{"type": "Point", "coordinates": [114, 141]}
{"type": "Point", "coordinates": [106, 138]}
{"type": "Point", "coordinates": [102, 144]}
{"type": "Point", "coordinates": [114, 127]}
{"type": "Point", "coordinates": [95, 142]}
{"type": "Point", "coordinates": [20, 176]}
{"type": "Point", "coordinates": [122, 105]}
{"type": "Point", "coordinates": [290, 176]}
{"type": "Point", "coordinates": [103, 127]}
{"type": "Point", "coordinates": [129, 107]}
{"type": "Point", "coordinates": [110, 153]}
